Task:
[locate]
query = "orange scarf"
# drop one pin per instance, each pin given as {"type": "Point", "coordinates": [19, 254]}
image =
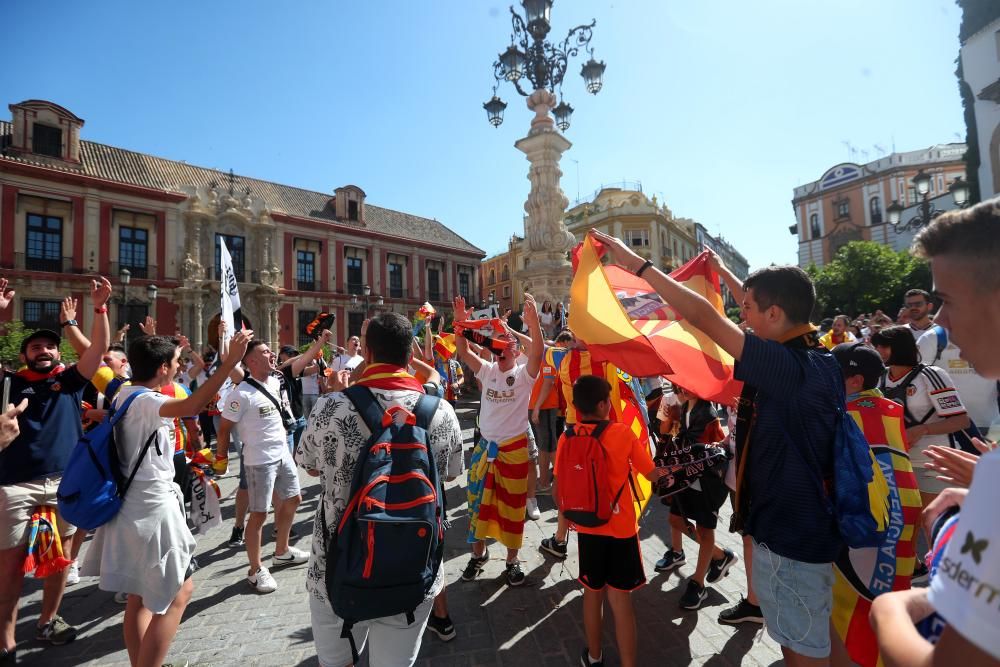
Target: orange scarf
{"type": "Point", "coordinates": [45, 554]}
{"type": "Point", "coordinates": [388, 376]}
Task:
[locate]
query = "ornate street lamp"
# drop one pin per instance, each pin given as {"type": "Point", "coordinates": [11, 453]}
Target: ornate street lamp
{"type": "Point", "coordinates": [543, 64]}
{"type": "Point", "coordinates": [959, 190]}
{"type": "Point", "coordinates": [151, 291]}
{"type": "Point", "coordinates": [367, 290]}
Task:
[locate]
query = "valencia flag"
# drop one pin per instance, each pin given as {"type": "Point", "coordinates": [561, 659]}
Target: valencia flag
{"type": "Point", "coordinates": [624, 321]}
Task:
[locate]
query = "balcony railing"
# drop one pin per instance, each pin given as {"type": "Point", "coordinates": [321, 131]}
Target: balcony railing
{"type": "Point", "coordinates": [306, 285]}
{"type": "Point", "coordinates": [433, 296]}
{"type": "Point", "coordinates": [142, 272]}
{"type": "Point", "coordinates": [397, 293]}
{"type": "Point", "coordinates": [356, 288]}
{"type": "Point", "coordinates": [49, 265]}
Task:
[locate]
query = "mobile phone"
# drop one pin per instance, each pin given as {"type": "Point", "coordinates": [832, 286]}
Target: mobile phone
{"type": "Point", "coordinates": [6, 394]}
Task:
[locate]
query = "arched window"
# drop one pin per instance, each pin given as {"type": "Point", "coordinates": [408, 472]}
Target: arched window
{"type": "Point", "coordinates": [493, 277]}
{"type": "Point", "coordinates": [875, 207]}
{"type": "Point", "coordinates": [814, 230]}
{"type": "Point", "coordinates": [505, 273]}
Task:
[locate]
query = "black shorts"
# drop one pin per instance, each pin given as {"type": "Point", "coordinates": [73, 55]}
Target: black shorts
{"type": "Point", "coordinates": [610, 561]}
{"type": "Point", "coordinates": [182, 475]}
{"type": "Point", "coordinates": [702, 507]}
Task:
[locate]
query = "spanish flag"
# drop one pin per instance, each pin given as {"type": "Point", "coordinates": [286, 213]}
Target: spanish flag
{"type": "Point", "coordinates": [860, 575]}
{"type": "Point", "coordinates": [623, 320]}
{"type": "Point", "coordinates": [444, 345]}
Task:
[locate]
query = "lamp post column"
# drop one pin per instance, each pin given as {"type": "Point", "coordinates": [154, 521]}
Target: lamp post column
{"type": "Point", "coordinates": [547, 273]}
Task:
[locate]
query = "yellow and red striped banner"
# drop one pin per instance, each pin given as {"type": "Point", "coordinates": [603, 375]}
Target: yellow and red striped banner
{"type": "Point", "coordinates": [623, 320]}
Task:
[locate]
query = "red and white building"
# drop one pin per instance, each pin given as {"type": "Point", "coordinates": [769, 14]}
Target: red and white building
{"type": "Point", "coordinates": [72, 209]}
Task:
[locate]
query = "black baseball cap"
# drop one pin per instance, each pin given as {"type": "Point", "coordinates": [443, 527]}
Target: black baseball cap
{"type": "Point", "coordinates": [47, 334]}
{"type": "Point", "coordinates": [860, 359]}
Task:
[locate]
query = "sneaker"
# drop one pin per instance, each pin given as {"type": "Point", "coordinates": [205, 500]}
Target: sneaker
{"type": "Point", "coordinates": [57, 632]}
{"type": "Point", "coordinates": [743, 612]}
{"type": "Point", "coordinates": [920, 572]}
{"type": "Point", "coordinates": [236, 537]}
{"type": "Point", "coordinates": [717, 569]}
{"type": "Point", "coordinates": [291, 557]}
{"type": "Point", "coordinates": [515, 577]}
{"type": "Point", "coordinates": [474, 567]}
{"type": "Point", "coordinates": [442, 627]}
{"type": "Point", "coordinates": [74, 574]}
{"type": "Point", "coordinates": [531, 509]}
{"type": "Point", "coordinates": [555, 547]}
{"type": "Point", "coordinates": [121, 598]}
{"type": "Point", "coordinates": [8, 657]}
{"type": "Point", "coordinates": [693, 596]}
{"type": "Point", "coordinates": [262, 581]}
{"type": "Point", "coordinates": [670, 561]}
{"type": "Point", "coordinates": [585, 660]}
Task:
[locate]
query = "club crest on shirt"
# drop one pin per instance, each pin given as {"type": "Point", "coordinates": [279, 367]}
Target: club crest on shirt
{"type": "Point", "coordinates": [510, 380]}
{"type": "Point", "coordinates": [911, 391]}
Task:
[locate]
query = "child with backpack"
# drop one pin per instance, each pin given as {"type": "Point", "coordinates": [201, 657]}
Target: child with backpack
{"type": "Point", "coordinates": [146, 548]}
{"type": "Point", "coordinates": [697, 423]}
{"type": "Point", "coordinates": [595, 459]}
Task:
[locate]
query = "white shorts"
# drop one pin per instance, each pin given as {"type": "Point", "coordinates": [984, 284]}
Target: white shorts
{"type": "Point", "coordinates": [393, 642]}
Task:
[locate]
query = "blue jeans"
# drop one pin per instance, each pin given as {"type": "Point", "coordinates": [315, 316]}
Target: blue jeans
{"type": "Point", "coordinates": [296, 434]}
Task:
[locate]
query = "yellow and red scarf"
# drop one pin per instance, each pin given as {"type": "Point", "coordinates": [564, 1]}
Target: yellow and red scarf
{"type": "Point", "coordinates": [388, 376]}
{"type": "Point", "coordinates": [45, 554]}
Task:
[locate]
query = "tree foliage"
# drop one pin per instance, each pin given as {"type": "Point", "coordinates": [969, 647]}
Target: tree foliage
{"type": "Point", "coordinates": [14, 333]}
{"type": "Point", "coordinates": [865, 276]}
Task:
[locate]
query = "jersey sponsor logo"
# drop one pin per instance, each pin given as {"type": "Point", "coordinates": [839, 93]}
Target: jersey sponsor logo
{"type": "Point", "coordinates": [234, 406]}
{"type": "Point", "coordinates": [265, 410]}
{"type": "Point", "coordinates": [974, 547]}
{"type": "Point", "coordinates": [499, 396]}
{"type": "Point", "coordinates": [27, 391]}
{"type": "Point", "coordinates": [949, 402]}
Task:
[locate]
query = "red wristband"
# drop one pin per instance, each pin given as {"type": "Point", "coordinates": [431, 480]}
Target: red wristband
{"type": "Point", "coordinates": [101, 310]}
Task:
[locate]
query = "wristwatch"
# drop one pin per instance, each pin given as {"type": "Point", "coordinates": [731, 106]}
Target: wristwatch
{"type": "Point", "coordinates": [69, 323]}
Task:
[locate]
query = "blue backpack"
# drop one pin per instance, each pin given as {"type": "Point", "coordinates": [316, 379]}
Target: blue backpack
{"type": "Point", "coordinates": [385, 553]}
{"type": "Point", "coordinates": [93, 489]}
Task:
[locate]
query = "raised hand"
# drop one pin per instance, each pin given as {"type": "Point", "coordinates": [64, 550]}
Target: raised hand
{"type": "Point", "coordinates": [238, 347]}
{"type": "Point", "coordinates": [530, 315]}
{"type": "Point", "coordinates": [67, 309]}
{"type": "Point", "coordinates": [6, 295]}
{"type": "Point", "coordinates": [100, 292]}
{"type": "Point", "coordinates": [326, 336]}
{"type": "Point", "coordinates": [148, 326]}
{"type": "Point", "coordinates": [620, 253]}
{"type": "Point", "coordinates": [9, 429]}
{"type": "Point", "coordinates": [183, 342]}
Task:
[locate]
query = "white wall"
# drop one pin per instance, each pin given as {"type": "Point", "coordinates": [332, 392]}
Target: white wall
{"type": "Point", "coordinates": [981, 67]}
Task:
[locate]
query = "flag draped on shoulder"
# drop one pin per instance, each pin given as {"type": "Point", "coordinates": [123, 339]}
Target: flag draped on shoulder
{"type": "Point", "coordinates": [623, 320]}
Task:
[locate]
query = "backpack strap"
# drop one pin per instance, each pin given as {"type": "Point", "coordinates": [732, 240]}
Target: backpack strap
{"type": "Point", "coordinates": [117, 413]}
{"type": "Point", "coordinates": [367, 406]}
{"type": "Point", "coordinates": [424, 410]}
{"type": "Point", "coordinates": [142, 454]}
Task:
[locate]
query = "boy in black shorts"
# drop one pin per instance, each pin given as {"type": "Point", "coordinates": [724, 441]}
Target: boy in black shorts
{"type": "Point", "coordinates": [610, 559]}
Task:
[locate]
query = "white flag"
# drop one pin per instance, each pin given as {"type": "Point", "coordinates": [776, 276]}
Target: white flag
{"type": "Point", "coordinates": [229, 289]}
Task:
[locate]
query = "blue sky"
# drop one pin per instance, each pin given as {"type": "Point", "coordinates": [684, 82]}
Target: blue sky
{"type": "Point", "coordinates": [719, 107]}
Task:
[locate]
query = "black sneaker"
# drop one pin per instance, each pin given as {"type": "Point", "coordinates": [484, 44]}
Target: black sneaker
{"type": "Point", "coordinates": [236, 537]}
{"type": "Point", "coordinates": [554, 547]}
{"type": "Point", "coordinates": [474, 567]}
{"type": "Point", "coordinates": [585, 660]}
{"type": "Point", "coordinates": [743, 612]}
{"type": "Point", "coordinates": [693, 596]}
{"type": "Point", "coordinates": [8, 658]}
{"type": "Point", "coordinates": [514, 575]}
{"type": "Point", "coordinates": [670, 561]}
{"type": "Point", "coordinates": [442, 627]}
{"type": "Point", "coordinates": [717, 569]}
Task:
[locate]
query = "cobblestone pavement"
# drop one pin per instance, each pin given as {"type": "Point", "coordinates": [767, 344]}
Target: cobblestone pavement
{"type": "Point", "coordinates": [540, 623]}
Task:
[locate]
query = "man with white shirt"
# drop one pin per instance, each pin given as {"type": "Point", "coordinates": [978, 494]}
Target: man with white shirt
{"type": "Point", "coordinates": [261, 411]}
{"type": "Point", "coordinates": [979, 394]}
{"type": "Point", "coordinates": [918, 307]}
{"type": "Point", "coordinates": [350, 358]}
{"type": "Point", "coordinates": [964, 251]}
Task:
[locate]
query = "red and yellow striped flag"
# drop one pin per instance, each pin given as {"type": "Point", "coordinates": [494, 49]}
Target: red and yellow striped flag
{"type": "Point", "coordinates": [444, 345]}
{"type": "Point", "coordinates": [623, 320]}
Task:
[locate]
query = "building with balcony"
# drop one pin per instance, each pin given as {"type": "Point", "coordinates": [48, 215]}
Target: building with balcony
{"type": "Point", "coordinates": [848, 202]}
{"type": "Point", "coordinates": [71, 209]}
{"type": "Point", "coordinates": [498, 277]}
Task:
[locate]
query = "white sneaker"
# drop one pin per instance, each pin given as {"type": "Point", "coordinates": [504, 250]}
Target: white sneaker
{"type": "Point", "coordinates": [262, 581]}
{"type": "Point", "coordinates": [532, 509]}
{"type": "Point", "coordinates": [74, 574]}
{"type": "Point", "coordinates": [291, 557]}
{"type": "Point", "coordinates": [121, 598]}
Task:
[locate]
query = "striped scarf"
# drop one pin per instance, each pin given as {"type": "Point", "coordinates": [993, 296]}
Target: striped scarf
{"type": "Point", "coordinates": [498, 491]}
{"type": "Point", "coordinates": [388, 376]}
{"type": "Point", "coordinates": [45, 554]}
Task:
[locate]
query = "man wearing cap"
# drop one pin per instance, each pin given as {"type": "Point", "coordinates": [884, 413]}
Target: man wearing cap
{"type": "Point", "coordinates": [862, 574]}
{"type": "Point", "coordinates": [31, 467]}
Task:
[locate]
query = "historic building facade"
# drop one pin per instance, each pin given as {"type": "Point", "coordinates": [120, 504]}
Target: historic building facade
{"type": "Point", "coordinates": [980, 67]}
{"type": "Point", "coordinates": [71, 209]}
{"type": "Point", "coordinates": [498, 277]}
{"type": "Point", "coordinates": [649, 227]}
{"type": "Point", "coordinates": [848, 203]}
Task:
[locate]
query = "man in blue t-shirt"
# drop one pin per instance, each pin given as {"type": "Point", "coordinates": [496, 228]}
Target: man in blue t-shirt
{"type": "Point", "coordinates": [31, 467]}
{"type": "Point", "coordinates": [784, 435]}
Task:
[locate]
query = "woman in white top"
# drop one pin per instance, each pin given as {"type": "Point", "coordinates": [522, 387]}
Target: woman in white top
{"type": "Point", "coordinates": [933, 409]}
{"type": "Point", "coordinates": [547, 319]}
{"type": "Point", "coordinates": [146, 549]}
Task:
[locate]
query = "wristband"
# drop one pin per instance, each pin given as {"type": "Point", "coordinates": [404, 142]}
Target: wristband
{"type": "Point", "coordinates": [101, 311]}
{"type": "Point", "coordinates": [69, 323]}
{"type": "Point", "coordinates": [645, 265]}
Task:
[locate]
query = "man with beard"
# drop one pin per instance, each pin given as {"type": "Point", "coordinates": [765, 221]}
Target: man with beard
{"type": "Point", "coordinates": [31, 467]}
{"type": "Point", "coordinates": [918, 307]}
